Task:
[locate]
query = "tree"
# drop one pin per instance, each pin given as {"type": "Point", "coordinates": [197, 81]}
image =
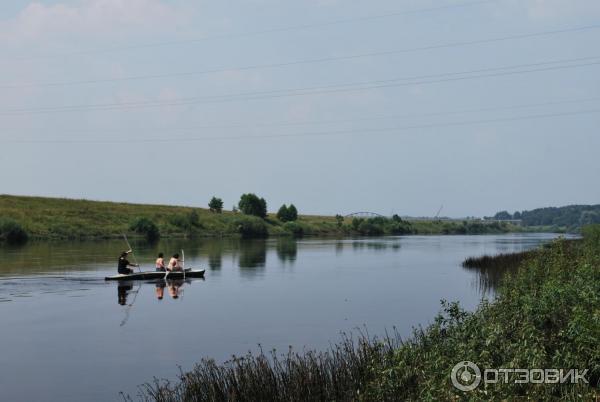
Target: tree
{"type": "Point", "coordinates": [282, 214]}
{"type": "Point", "coordinates": [250, 204]}
{"type": "Point", "coordinates": [502, 216]}
{"type": "Point", "coordinates": [216, 205]}
{"type": "Point", "coordinates": [517, 215]}
{"type": "Point", "coordinates": [292, 213]}
{"type": "Point", "coordinates": [287, 214]}
{"type": "Point", "coordinates": [339, 220]}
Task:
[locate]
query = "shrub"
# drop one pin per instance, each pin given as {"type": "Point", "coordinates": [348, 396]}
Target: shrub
{"type": "Point", "coordinates": [146, 227]}
{"type": "Point", "coordinates": [216, 205]}
{"type": "Point", "coordinates": [250, 204]}
{"type": "Point", "coordinates": [294, 228]}
{"type": "Point", "coordinates": [12, 232]}
{"type": "Point", "coordinates": [249, 227]}
{"type": "Point", "coordinates": [339, 219]}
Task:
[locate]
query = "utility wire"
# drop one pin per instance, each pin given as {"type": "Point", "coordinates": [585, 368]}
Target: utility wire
{"type": "Point", "coordinates": [307, 134]}
{"type": "Point", "coordinates": [270, 30]}
{"type": "Point", "coordinates": [336, 121]}
{"type": "Point", "coordinates": [335, 88]}
{"type": "Point", "coordinates": [299, 62]}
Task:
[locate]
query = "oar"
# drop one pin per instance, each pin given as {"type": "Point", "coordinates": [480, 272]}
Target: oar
{"type": "Point", "coordinates": [132, 254]}
{"type": "Point", "coordinates": [183, 263]}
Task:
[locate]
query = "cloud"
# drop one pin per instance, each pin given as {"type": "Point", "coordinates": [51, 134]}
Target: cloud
{"type": "Point", "coordinates": [87, 18]}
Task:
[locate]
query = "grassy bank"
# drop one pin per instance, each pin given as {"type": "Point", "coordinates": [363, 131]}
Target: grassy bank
{"type": "Point", "coordinates": [58, 218]}
{"type": "Point", "coordinates": [545, 315]}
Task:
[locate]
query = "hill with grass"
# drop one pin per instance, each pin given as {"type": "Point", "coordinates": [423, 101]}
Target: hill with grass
{"type": "Point", "coordinates": [23, 217]}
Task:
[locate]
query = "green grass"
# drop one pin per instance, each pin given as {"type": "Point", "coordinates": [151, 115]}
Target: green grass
{"type": "Point", "coordinates": [60, 218]}
{"type": "Point", "coordinates": [545, 315]}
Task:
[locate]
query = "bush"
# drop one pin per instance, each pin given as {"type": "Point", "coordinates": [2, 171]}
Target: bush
{"type": "Point", "coordinates": [216, 205]}
{"type": "Point", "coordinates": [282, 213]}
{"type": "Point", "coordinates": [294, 228]}
{"type": "Point", "coordinates": [292, 213]}
{"type": "Point", "coordinates": [12, 232]}
{"type": "Point", "coordinates": [250, 204]}
{"type": "Point", "coordinates": [339, 219]}
{"type": "Point", "coordinates": [146, 227]}
{"type": "Point", "coordinates": [249, 227]}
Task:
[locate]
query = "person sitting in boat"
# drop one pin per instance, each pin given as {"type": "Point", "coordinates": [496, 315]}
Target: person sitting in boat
{"type": "Point", "coordinates": [174, 263]}
{"type": "Point", "coordinates": [160, 263]}
{"type": "Point", "coordinates": [124, 264]}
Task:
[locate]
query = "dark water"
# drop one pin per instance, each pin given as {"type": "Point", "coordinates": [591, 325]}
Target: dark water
{"type": "Point", "coordinates": [65, 337]}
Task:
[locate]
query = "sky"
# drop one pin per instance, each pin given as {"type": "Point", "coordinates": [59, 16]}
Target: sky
{"type": "Point", "coordinates": [391, 106]}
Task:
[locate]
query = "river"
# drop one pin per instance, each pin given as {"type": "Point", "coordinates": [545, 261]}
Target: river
{"type": "Point", "coordinates": [68, 335]}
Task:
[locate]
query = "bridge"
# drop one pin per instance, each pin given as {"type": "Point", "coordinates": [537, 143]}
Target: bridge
{"type": "Point", "coordinates": [364, 214]}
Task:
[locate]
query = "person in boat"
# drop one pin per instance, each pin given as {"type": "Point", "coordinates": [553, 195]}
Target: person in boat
{"type": "Point", "coordinates": [160, 263]}
{"type": "Point", "coordinates": [124, 264]}
{"type": "Point", "coordinates": [174, 263]}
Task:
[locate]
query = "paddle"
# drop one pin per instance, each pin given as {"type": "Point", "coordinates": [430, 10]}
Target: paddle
{"type": "Point", "coordinates": [183, 263]}
{"type": "Point", "coordinates": [133, 255]}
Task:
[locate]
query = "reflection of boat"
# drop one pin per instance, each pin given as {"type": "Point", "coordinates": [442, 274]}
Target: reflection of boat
{"type": "Point", "coordinates": [189, 273]}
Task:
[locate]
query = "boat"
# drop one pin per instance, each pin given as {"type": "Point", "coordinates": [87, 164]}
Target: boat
{"type": "Point", "coordinates": [149, 275]}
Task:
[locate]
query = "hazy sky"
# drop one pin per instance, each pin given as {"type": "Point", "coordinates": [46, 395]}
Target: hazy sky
{"type": "Point", "coordinates": [336, 106]}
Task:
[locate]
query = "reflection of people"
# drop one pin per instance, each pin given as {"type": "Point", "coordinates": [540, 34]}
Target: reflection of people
{"type": "Point", "coordinates": [160, 263]}
{"type": "Point", "coordinates": [124, 264]}
{"type": "Point", "coordinates": [123, 291]}
{"type": "Point", "coordinates": [160, 289]}
{"type": "Point", "coordinates": [174, 288]}
{"type": "Point", "coordinates": [174, 263]}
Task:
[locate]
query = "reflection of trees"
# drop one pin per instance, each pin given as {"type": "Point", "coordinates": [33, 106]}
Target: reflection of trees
{"type": "Point", "coordinates": [253, 253]}
{"type": "Point", "coordinates": [287, 249]}
{"type": "Point", "coordinates": [375, 245]}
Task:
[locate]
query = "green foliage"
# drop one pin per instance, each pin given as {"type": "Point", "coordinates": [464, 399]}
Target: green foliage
{"type": "Point", "coordinates": [591, 235]}
{"type": "Point", "coordinates": [12, 232]}
{"type": "Point", "coordinates": [294, 228]}
{"type": "Point", "coordinates": [216, 205]}
{"type": "Point", "coordinates": [339, 220]}
{"type": "Point", "coordinates": [503, 215]}
{"type": "Point", "coordinates": [250, 204]}
{"type": "Point", "coordinates": [571, 217]}
{"type": "Point", "coordinates": [250, 227]}
{"type": "Point", "coordinates": [287, 214]}
{"type": "Point", "coordinates": [146, 227]}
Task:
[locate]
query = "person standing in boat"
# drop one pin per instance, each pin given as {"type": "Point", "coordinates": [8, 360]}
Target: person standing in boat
{"type": "Point", "coordinates": [174, 263]}
{"type": "Point", "coordinates": [160, 263]}
{"type": "Point", "coordinates": [124, 264]}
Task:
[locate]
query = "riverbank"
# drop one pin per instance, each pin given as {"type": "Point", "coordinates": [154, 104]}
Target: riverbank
{"type": "Point", "coordinates": [545, 315]}
{"type": "Point", "coordinates": [58, 218]}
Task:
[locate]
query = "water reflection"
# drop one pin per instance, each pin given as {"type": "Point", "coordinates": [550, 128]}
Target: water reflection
{"type": "Point", "coordinates": [287, 250]}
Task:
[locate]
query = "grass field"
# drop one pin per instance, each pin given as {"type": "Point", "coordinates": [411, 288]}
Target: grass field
{"type": "Point", "coordinates": [60, 218]}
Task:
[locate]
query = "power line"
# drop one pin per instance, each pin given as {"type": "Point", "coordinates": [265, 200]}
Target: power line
{"type": "Point", "coordinates": [300, 62]}
{"type": "Point", "coordinates": [342, 121]}
{"type": "Point", "coordinates": [270, 30]}
{"type": "Point", "coordinates": [308, 134]}
{"type": "Point", "coordinates": [335, 88]}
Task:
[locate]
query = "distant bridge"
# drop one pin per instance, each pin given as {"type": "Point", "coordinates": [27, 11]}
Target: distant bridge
{"type": "Point", "coordinates": [364, 214]}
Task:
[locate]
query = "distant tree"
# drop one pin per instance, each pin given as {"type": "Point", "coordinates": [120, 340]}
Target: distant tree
{"type": "Point", "coordinates": [216, 205]}
{"type": "Point", "coordinates": [339, 220]}
{"type": "Point", "coordinates": [517, 215]}
{"type": "Point", "coordinates": [396, 218]}
{"type": "Point", "coordinates": [292, 213]}
{"type": "Point", "coordinates": [282, 213]}
{"type": "Point", "coordinates": [251, 204]}
{"type": "Point", "coordinates": [234, 209]}
{"type": "Point", "coordinates": [502, 216]}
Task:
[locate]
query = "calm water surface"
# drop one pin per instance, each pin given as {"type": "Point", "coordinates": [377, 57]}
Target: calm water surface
{"type": "Point", "coordinates": [65, 337]}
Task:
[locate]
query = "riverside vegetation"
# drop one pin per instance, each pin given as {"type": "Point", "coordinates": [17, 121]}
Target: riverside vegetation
{"type": "Point", "coordinates": [546, 314]}
{"type": "Point", "coordinates": [57, 218]}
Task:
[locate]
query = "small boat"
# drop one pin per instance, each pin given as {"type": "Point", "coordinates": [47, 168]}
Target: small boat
{"type": "Point", "coordinates": [136, 276]}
